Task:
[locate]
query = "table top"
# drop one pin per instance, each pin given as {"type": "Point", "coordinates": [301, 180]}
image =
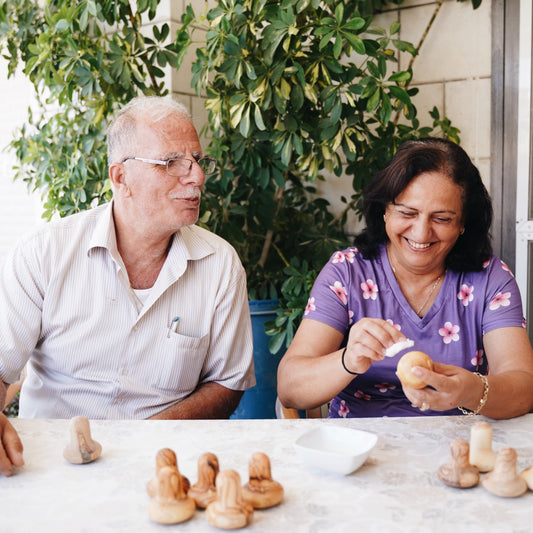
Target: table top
{"type": "Point", "coordinates": [396, 490]}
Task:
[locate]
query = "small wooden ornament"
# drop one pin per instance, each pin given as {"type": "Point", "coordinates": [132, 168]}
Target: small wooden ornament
{"type": "Point", "coordinates": [503, 480]}
{"type": "Point", "coordinates": [170, 504]}
{"type": "Point", "coordinates": [458, 472]}
{"type": "Point", "coordinates": [81, 448]}
{"type": "Point", "coordinates": [229, 510]}
{"type": "Point", "coordinates": [204, 491]}
{"type": "Point", "coordinates": [261, 491]}
{"type": "Point", "coordinates": [527, 476]}
{"type": "Point", "coordinates": [405, 365]}
{"type": "Point", "coordinates": [165, 457]}
{"type": "Point", "coordinates": [481, 452]}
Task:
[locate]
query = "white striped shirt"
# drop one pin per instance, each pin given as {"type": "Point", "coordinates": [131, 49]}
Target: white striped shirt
{"type": "Point", "coordinates": [66, 307]}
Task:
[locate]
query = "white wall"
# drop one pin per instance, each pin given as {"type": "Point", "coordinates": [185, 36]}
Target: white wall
{"type": "Point", "coordinates": [19, 210]}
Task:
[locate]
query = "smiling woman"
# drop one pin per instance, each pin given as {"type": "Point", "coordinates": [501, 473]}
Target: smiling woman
{"type": "Point", "coordinates": [422, 269]}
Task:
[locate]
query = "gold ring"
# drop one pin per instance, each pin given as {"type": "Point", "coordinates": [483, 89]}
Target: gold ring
{"type": "Point", "coordinates": [424, 406]}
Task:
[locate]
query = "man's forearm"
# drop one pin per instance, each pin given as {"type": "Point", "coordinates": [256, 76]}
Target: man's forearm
{"type": "Point", "coordinates": [208, 401]}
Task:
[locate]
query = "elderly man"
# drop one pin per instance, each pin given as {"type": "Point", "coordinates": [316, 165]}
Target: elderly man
{"type": "Point", "coordinates": [129, 310]}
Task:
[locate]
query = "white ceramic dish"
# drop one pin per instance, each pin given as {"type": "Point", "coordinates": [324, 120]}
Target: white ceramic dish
{"type": "Point", "coordinates": [335, 448]}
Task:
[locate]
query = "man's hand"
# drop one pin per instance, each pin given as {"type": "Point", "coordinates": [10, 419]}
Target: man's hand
{"type": "Point", "coordinates": [10, 447]}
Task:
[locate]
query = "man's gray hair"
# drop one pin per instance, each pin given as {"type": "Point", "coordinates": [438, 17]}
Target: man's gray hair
{"type": "Point", "coordinates": [121, 132]}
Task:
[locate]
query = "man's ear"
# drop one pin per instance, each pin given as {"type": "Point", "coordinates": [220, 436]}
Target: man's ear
{"type": "Point", "coordinates": [118, 177]}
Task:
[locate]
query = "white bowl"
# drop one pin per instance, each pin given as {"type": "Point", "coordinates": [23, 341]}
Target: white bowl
{"type": "Point", "coordinates": [334, 448]}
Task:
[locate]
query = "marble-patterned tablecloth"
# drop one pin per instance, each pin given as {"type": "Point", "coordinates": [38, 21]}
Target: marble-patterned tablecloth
{"type": "Point", "coordinates": [396, 490]}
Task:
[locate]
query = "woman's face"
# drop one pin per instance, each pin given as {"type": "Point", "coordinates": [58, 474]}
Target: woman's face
{"type": "Point", "coordinates": [424, 222]}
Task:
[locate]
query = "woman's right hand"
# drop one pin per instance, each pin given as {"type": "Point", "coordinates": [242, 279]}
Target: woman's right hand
{"type": "Point", "coordinates": [367, 341]}
{"type": "Point", "coordinates": [10, 447]}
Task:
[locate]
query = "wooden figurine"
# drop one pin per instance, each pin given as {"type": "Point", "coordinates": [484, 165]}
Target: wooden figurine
{"type": "Point", "coordinates": [81, 448]}
{"type": "Point", "coordinates": [458, 472]}
{"type": "Point", "coordinates": [229, 510]}
{"type": "Point", "coordinates": [527, 476]}
{"type": "Point", "coordinates": [165, 457]}
{"type": "Point", "coordinates": [261, 490]}
{"type": "Point", "coordinates": [205, 491]}
{"type": "Point", "coordinates": [170, 504]}
{"type": "Point", "coordinates": [503, 480]}
{"type": "Point", "coordinates": [481, 452]}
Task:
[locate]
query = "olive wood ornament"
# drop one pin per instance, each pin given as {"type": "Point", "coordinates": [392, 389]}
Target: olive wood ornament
{"type": "Point", "coordinates": [503, 480]}
{"type": "Point", "coordinates": [527, 476]}
{"type": "Point", "coordinates": [170, 504]}
{"type": "Point", "coordinates": [229, 510]}
{"type": "Point", "coordinates": [261, 491]}
{"type": "Point", "coordinates": [405, 365]}
{"type": "Point", "coordinates": [204, 491]}
{"type": "Point", "coordinates": [481, 453]}
{"type": "Point", "coordinates": [458, 472]}
{"type": "Point", "coordinates": [81, 448]}
{"type": "Point", "coordinates": [165, 457]}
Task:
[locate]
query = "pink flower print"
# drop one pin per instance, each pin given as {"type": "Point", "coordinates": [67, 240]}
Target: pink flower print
{"type": "Point", "coordinates": [449, 333]}
{"type": "Point", "coordinates": [500, 300]}
{"type": "Point", "coordinates": [506, 268]}
{"type": "Point", "coordinates": [340, 291]}
{"type": "Point", "coordinates": [486, 263]}
{"type": "Point", "coordinates": [310, 306]}
{"type": "Point", "coordinates": [340, 257]}
{"type": "Point", "coordinates": [384, 387]}
{"type": "Point", "coordinates": [362, 396]}
{"type": "Point", "coordinates": [350, 317]}
{"type": "Point", "coordinates": [343, 409]}
{"type": "Point", "coordinates": [478, 359]}
{"type": "Point", "coordinates": [397, 326]}
{"type": "Point", "coordinates": [524, 324]}
{"type": "Point", "coordinates": [465, 294]}
{"type": "Point", "coordinates": [370, 289]}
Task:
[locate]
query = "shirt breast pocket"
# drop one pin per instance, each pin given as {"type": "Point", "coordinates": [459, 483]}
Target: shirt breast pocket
{"type": "Point", "coordinates": [181, 366]}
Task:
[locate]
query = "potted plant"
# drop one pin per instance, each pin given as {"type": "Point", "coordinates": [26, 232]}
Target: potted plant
{"type": "Point", "coordinates": [294, 90]}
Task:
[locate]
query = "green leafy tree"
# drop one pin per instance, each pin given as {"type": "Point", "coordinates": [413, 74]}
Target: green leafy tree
{"type": "Point", "coordinates": [84, 59]}
{"type": "Point", "coordinates": [297, 89]}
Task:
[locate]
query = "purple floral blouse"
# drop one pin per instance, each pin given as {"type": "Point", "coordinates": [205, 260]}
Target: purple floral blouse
{"type": "Point", "coordinates": [467, 306]}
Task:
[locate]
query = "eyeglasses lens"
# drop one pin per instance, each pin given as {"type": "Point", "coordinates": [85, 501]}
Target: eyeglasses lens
{"type": "Point", "coordinates": [181, 166]}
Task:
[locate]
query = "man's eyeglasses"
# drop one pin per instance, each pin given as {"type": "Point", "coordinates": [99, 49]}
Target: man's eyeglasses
{"type": "Point", "coordinates": [179, 167]}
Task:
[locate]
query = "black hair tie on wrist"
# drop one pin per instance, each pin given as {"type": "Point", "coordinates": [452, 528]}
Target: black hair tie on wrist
{"type": "Point", "coordinates": [344, 364]}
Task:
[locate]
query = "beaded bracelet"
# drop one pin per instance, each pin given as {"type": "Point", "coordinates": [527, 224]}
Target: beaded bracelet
{"type": "Point", "coordinates": [344, 364]}
{"type": "Point", "coordinates": [483, 400]}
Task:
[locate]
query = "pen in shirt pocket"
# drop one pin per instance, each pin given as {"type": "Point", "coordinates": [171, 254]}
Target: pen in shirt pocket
{"type": "Point", "coordinates": [173, 326]}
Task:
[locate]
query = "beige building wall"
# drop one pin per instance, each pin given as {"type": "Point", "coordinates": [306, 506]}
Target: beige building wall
{"type": "Point", "coordinates": [453, 72]}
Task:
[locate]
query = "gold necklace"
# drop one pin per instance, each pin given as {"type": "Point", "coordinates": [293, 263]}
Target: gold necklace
{"type": "Point", "coordinates": [433, 287]}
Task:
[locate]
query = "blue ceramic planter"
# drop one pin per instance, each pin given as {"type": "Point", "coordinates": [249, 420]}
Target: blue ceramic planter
{"type": "Point", "coordinates": [259, 401]}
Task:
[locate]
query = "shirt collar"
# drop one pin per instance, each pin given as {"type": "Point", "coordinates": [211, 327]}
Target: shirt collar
{"type": "Point", "coordinates": [187, 243]}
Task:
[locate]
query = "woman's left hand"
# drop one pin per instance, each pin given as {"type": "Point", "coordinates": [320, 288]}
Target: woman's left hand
{"type": "Point", "coordinates": [448, 386]}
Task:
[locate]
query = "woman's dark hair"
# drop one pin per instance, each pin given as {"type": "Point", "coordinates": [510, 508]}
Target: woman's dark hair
{"type": "Point", "coordinates": [413, 158]}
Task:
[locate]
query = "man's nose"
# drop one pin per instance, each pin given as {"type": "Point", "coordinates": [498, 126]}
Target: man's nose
{"type": "Point", "coordinates": [195, 175]}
